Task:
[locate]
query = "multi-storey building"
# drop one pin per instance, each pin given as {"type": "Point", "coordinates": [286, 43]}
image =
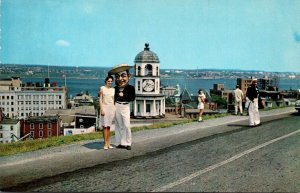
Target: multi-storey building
{"type": "Point", "coordinates": [244, 83]}
{"type": "Point", "coordinates": [82, 99]}
{"type": "Point", "coordinates": [267, 84]}
{"type": "Point", "coordinates": [262, 84]}
{"type": "Point", "coordinates": [20, 101]}
{"type": "Point", "coordinates": [218, 87]}
{"type": "Point", "coordinates": [9, 130]}
{"type": "Point", "coordinates": [168, 91]}
{"type": "Point", "coordinates": [41, 127]}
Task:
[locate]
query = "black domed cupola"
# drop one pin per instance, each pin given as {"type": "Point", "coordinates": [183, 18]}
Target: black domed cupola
{"type": "Point", "coordinates": [146, 56]}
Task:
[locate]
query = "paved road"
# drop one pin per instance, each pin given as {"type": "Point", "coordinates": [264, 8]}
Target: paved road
{"type": "Point", "coordinates": [260, 159]}
{"type": "Point", "coordinates": [51, 162]}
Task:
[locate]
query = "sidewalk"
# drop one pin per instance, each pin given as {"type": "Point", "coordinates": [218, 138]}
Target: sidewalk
{"type": "Point", "coordinates": [30, 166]}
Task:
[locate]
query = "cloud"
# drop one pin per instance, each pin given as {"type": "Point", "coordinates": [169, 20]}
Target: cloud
{"type": "Point", "coordinates": [62, 43]}
{"type": "Point", "coordinates": [297, 37]}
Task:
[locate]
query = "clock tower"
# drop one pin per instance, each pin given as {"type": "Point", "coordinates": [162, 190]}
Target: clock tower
{"type": "Point", "coordinates": [149, 103]}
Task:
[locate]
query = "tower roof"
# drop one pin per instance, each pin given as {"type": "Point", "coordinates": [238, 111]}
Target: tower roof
{"type": "Point", "coordinates": [146, 56]}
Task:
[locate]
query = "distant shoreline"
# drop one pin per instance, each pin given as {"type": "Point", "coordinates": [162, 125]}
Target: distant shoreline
{"type": "Point", "coordinates": [94, 78]}
{"type": "Point", "coordinates": [63, 77]}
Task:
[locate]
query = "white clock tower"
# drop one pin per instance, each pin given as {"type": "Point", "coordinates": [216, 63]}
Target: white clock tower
{"type": "Point", "coordinates": [149, 103]}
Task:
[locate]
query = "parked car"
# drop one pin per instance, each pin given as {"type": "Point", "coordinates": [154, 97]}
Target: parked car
{"type": "Point", "coordinates": [297, 106]}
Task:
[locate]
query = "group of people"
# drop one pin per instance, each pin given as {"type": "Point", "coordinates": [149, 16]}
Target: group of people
{"type": "Point", "coordinates": [252, 103]}
{"type": "Point", "coordinates": [115, 106]}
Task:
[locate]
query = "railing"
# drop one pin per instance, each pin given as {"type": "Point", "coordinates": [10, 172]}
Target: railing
{"type": "Point", "coordinates": [12, 136]}
{"type": "Point", "coordinates": [27, 135]}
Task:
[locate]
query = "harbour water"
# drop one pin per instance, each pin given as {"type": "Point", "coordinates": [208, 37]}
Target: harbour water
{"type": "Point", "coordinates": [91, 86]}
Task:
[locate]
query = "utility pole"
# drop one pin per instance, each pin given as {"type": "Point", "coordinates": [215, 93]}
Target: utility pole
{"type": "Point", "coordinates": [48, 72]}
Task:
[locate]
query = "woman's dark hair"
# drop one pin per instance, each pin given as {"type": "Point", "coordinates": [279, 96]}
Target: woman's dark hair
{"type": "Point", "coordinates": [109, 77]}
{"type": "Point", "coordinates": [199, 91]}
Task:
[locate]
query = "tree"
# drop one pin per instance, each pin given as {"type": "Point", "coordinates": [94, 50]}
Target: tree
{"type": "Point", "coordinates": [169, 101]}
{"type": "Point", "coordinates": [222, 103]}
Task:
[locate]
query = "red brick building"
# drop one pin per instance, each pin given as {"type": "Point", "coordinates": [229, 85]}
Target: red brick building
{"type": "Point", "coordinates": [41, 127]}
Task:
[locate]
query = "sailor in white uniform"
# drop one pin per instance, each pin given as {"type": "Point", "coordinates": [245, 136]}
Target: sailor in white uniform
{"type": "Point", "coordinates": [124, 94]}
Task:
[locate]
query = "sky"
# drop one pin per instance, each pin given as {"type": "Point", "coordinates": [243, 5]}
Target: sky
{"type": "Point", "coordinates": [259, 35]}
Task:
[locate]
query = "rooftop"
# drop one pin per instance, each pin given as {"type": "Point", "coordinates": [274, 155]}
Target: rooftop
{"type": "Point", "coordinates": [146, 56]}
{"type": "Point", "coordinates": [9, 121]}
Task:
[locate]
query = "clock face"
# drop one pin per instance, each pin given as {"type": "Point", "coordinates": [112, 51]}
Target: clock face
{"type": "Point", "coordinates": [148, 85]}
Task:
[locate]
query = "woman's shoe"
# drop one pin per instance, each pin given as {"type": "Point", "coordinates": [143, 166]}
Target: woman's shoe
{"type": "Point", "coordinates": [105, 148]}
{"type": "Point", "coordinates": [110, 147]}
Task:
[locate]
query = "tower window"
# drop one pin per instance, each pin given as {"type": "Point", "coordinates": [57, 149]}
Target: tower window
{"type": "Point", "coordinates": [139, 85]}
{"type": "Point", "coordinates": [139, 71]}
{"type": "Point", "coordinates": [148, 70]}
{"type": "Point", "coordinates": [148, 107]}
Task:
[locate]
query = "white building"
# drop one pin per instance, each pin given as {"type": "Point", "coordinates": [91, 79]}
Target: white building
{"type": "Point", "coordinates": [19, 101]}
{"type": "Point", "coordinates": [148, 102]}
{"type": "Point", "coordinates": [68, 116]}
{"type": "Point", "coordinates": [82, 99]}
{"type": "Point", "coordinates": [9, 130]}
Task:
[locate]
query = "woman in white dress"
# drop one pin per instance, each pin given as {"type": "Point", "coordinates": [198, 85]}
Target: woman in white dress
{"type": "Point", "coordinates": [201, 101]}
{"type": "Point", "coordinates": [107, 109]}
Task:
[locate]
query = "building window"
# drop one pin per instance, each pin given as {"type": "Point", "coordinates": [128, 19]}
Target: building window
{"type": "Point", "coordinates": [32, 134]}
{"type": "Point", "coordinates": [41, 126]}
{"type": "Point", "coordinates": [1, 127]}
{"type": "Point", "coordinates": [139, 71]}
{"type": "Point", "coordinates": [11, 128]}
{"type": "Point", "coordinates": [1, 135]}
{"type": "Point", "coordinates": [49, 125]}
{"type": "Point", "coordinates": [138, 108]}
{"type": "Point", "coordinates": [40, 133]}
{"type": "Point", "coordinates": [139, 85]}
{"type": "Point", "coordinates": [148, 70]}
{"type": "Point", "coordinates": [49, 133]}
{"type": "Point", "coordinates": [31, 126]}
{"type": "Point", "coordinates": [148, 108]}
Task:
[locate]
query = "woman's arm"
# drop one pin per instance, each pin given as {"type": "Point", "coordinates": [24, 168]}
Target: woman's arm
{"type": "Point", "coordinates": [101, 102]}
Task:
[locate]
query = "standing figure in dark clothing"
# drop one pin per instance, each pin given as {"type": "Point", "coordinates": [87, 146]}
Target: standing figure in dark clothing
{"type": "Point", "coordinates": [124, 94]}
{"type": "Point", "coordinates": [253, 96]}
